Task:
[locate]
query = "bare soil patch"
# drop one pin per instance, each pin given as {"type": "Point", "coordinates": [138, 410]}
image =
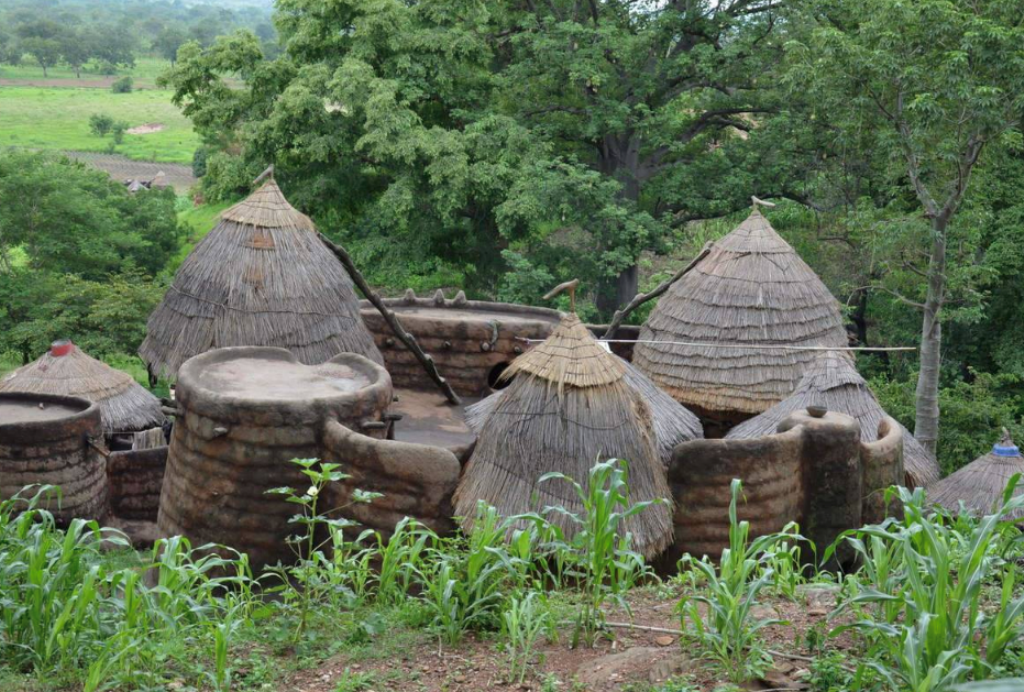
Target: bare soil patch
{"type": "Point", "coordinates": [147, 129]}
{"type": "Point", "coordinates": [627, 660]}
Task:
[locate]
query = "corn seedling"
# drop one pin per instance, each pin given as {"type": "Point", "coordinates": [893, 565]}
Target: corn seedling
{"type": "Point", "coordinates": [930, 631]}
{"type": "Point", "coordinates": [727, 630]}
{"type": "Point", "coordinates": [526, 619]}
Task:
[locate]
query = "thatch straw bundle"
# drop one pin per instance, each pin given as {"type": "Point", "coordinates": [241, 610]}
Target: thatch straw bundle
{"type": "Point", "coordinates": [125, 406]}
{"type": "Point", "coordinates": [751, 288]}
{"type": "Point", "coordinates": [980, 484]}
{"type": "Point", "coordinates": [261, 277]}
{"type": "Point", "coordinates": [831, 380]}
{"type": "Point", "coordinates": [673, 422]}
{"type": "Point", "coordinates": [568, 406]}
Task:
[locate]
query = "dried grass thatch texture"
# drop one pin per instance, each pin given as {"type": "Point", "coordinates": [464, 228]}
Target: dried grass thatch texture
{"type": "Point", "coordinates": [751, 288]}
{"type": "Point", "coordinates": [261, 277]}
{"type": "Point", "coordinates": [980, 484]}
{"type": "Point", "coordinates": [673, 422]}
{"type": "Point", "coordinates": [125, 405]}
{"type": "Point", "coordinates": [831, 380]}
{"type": "Point", "coordinates": [543, 422]}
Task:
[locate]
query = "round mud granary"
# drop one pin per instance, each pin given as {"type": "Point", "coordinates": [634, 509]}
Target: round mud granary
{"type": "Point", "coordinates": [54, 440]}
{"type": "Point", "coordinates": [245, 413]}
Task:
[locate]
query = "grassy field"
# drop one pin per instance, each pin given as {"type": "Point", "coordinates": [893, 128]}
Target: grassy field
{"type": "Point", "coordinates": [146, 70]}
{"type": "Point", "coordinates": [58, 118]}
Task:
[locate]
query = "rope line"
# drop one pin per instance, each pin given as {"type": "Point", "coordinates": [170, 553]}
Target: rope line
{"type": "Point", "coordinates": [775, 347]}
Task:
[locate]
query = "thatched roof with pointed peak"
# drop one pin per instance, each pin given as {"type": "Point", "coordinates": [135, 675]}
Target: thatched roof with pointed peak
{"type": "Point", "coordinates": [980, 484]}
{"type": "Point", "coordinates": [832, 380]}
{"type": "Point", "coordinates": [673, 422]}
{"type": "Point", "coordinates": [261, 277]}
{"type": "Point", "coordinates": [65, 370]}
{"type": "Point", "coordinates": [751, 288]}
{"type": "Point", "coordinates": [567, 407]}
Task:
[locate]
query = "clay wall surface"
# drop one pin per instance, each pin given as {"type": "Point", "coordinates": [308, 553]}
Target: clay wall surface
{"type": "Point", "coordinates": [815, 471]}
{"type": "Point", "coordinates": [470, 340]}
{"type": "Point", "coordinates": [135, 479]}
{"type": "Point", "coordinates": [227, 451]}
{"type": "Point", "coordinates": [67, 451]}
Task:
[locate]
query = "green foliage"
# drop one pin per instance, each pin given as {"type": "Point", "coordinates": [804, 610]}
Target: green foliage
{"type": "Point", "coordinates": [122, 85]}
{"type": "Point", "coordinates": [600, 556]}
{"type": "Point", "coordinates": [919, 602]}
{"type": "Point", "coordinates": [973, 413]}
{"type": "Point", "coordinates": [727, 628]}
{"type": "Point", "coordinates": [100, 124]}
{"type": "Point", "coordinates": [526, 619]}
{"type": "Point", "coordinates": [118, 130]}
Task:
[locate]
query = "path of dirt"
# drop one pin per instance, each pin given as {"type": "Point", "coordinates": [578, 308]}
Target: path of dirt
{"type": "Point", "coordinates": [66, 83]}
{"type": "Point", "coordinates": [121, 168]}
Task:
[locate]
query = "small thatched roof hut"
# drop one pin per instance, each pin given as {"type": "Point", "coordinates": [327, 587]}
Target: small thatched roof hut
{"type": "Point", "coordinates": [125, 405]}
{"type": "Point", "coordinates": [751, 288]}
{"type": "Point", "coordinates": [261, 277]}
{"type": "Point", "coordinates": [673, 422]}
{"type": "Point", "coordinates": [831, 380]}
{"type": "Point", "coordinates": [980, 484]}
{"type": "Point", "coordinates": [568, 406]}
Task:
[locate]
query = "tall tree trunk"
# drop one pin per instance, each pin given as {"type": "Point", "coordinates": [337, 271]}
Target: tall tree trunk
{"type": "Point", "coordinates": [926, 422]}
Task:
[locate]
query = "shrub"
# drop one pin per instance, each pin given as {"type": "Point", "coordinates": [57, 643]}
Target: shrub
{"type": "Point", "coordinates": [118, 130]}
{"type": "Point", "coordinates": [123, 85]}
{"type": "Point", "coordinates": [100, 124]}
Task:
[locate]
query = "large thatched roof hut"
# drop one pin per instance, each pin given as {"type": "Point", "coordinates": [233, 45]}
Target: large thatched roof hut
{"type": "Point", "coordinates": [568, 406]}
{"type": "Point", "coordinates": [261, 277]}
{"type": "Point", "coordinates": [831, 380]}
{"type": "Point", "coordinates": [64, 370]}
{"type": "Point", "coordinates": [980, 484]}
{"type": "Point", "coordinates": [673, 422]}
{"type": "Point", "coordinates": [751, 288]}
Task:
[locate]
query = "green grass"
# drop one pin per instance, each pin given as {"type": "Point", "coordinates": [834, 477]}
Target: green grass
{"type": "Point", "coordinates": [146, 70]}
{"type": "Point", "coordinates": [200, 220]}
{"type": "Point", "coordinates": [58, 118]}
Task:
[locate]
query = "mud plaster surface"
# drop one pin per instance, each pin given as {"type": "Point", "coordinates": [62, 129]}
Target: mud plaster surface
{"type": "Point", "coordinates": [485, 316]}
{"type": "Point", "coordinates": [277, 380]}
{"type": "Point", "coordinates": [429, 419]}
{"type": "Point", "coordinates": [29, 412]}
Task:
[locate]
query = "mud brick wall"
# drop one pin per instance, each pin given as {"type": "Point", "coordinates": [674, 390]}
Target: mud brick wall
{"type": "Point", "coordinates": [471, 341]}
{"type": "Point", "coordinates": [135, 479]}
{"type": "Point", "coordinates": [65, 452]}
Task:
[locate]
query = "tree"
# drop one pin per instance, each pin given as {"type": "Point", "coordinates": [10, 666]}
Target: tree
{"type": "Point", "coordinates": [402, 117]}
{"type": "Point", "coordinates": [77, 48]}
{"type": "Point", "coordinates": [933, 84]}
{"type": "Point", "coordinates": [169, 41]}
{"type": "Point", "coordinates": [45, 40]}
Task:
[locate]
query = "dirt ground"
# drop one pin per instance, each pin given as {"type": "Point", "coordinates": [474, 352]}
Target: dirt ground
{"type": "Point", "coordinates": [635, 660]}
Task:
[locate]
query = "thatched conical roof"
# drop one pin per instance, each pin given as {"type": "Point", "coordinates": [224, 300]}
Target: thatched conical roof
{"type": "Point", "coordinates": [568, 407]}
{"type": "Point", "coordinates": [125, 405]}
{"type": "Point", "coordinates": [831, 380]}
{"type": "Point", "coordinates": [751, 288]}
{"type": "Point", "coordinates": [261, 277]}
{"type": "Point", "coordinates": [673, 422]}
{"type": "Point", "coordinates": [981, 483]}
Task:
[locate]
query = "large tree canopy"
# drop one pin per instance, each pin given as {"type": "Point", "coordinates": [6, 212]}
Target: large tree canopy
{"type": "Point", "coordinates": [454, 130]}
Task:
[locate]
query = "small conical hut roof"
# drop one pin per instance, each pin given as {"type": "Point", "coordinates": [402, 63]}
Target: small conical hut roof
{"type": "Point", "coordinates": [567, 407]}
{"type": "Point", "coordinates": [125, 405]}
{"type": "Point", "coordinates": [980, 484]}
{"type": "Point", "coordinates": [673, 422]}
{"type": "Point", "coordinates": [831, 380]}
{"type": "Point", "coordinates": [752, 288]}
{"type": "Point", "coordinates": [261, 277]}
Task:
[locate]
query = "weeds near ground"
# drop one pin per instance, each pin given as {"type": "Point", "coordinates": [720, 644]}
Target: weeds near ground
{"type": "Point", "coordinates": [728, 631]}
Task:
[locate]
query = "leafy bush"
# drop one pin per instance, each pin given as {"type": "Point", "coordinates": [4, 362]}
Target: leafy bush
{"type": "Point", "coordinates": [100, 124]}
{"type": "Point", "coordinates": [118, 130]}
{"type": "Point", "coordinates": [122, 85]}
